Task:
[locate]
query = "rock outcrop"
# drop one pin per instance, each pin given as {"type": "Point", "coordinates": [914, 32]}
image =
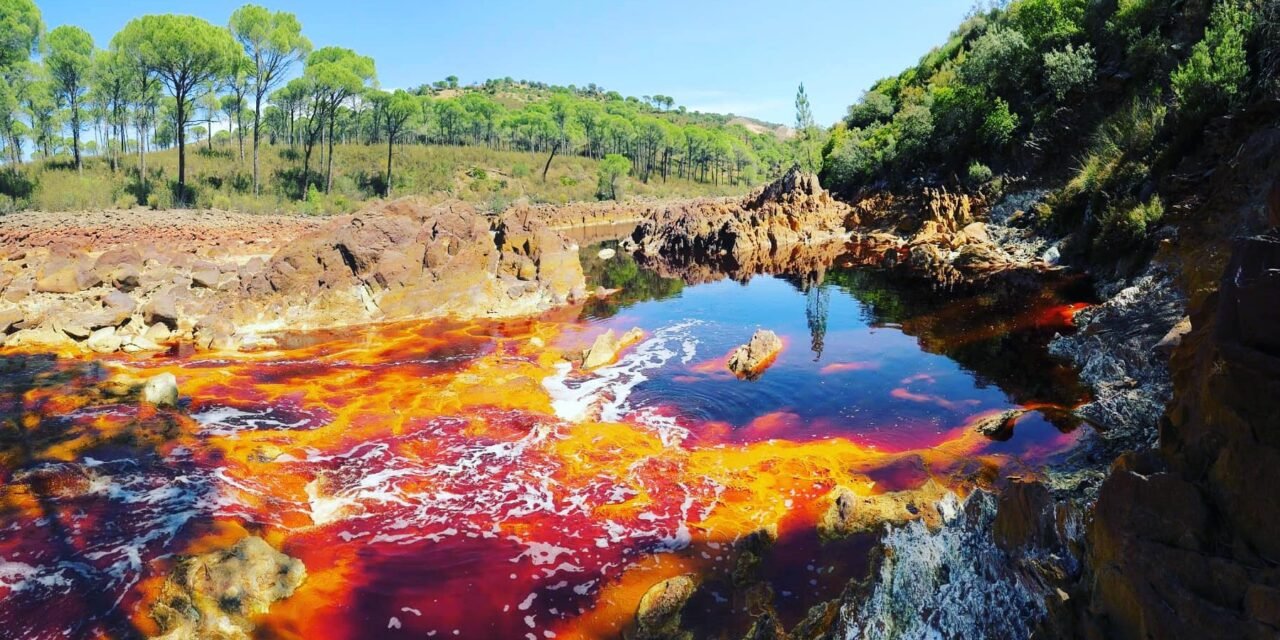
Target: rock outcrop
{"type": "Point", "coordinates": [216, 594]}
{"type": "Point", "coordinates": [750, 360]}
{"type": "Point", "coordinates": [398, 260]}
{"type": "Point", "coordinates": [1183, 542]}
{"type": "Point", "coordinates": [793, 210]}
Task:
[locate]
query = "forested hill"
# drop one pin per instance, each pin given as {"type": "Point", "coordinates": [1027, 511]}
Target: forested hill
{"type": "Point", "coordinates": [1097, 100]}
{"type": "Point", "coordinates": [261, 118]}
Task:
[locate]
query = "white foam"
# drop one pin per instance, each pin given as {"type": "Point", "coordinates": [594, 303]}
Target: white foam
{"type": "Point", "coordinates": [574, 397]}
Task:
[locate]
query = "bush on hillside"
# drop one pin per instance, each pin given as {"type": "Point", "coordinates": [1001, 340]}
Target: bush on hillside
{"type": "Point", "coordinates": [1213, 79]}
{"type": "Point", "coordinates": [978, 174]}
{"type": "Point", "coordinates": [872, 108]}
{"type": "Point", "coordinates": [1069, 70]}
{"type": "Point", "coordinates": [1127, 227]}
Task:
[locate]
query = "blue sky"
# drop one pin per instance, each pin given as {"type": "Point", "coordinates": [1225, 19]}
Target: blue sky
{"type": "Point", "coordinates": [744, 57]}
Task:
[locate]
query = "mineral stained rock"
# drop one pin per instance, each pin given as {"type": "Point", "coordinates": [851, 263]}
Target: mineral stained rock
{"type": "Point", "coordinates": [607, 346]}
{"type": "Point", "coordinates": [750, 360]}
{"type": "Point", "coordinates": [658, 616]}
{"type": "Point", "coordinates": [216, 594]}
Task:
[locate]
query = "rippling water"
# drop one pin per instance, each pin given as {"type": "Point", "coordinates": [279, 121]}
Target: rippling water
{"type": "Point", "coordinates": [463, 480]}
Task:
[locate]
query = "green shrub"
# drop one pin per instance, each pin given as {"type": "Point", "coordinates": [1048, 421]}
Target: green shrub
{"type": "Point", "coordinates": [1213, 79]}
{"type": "Point", "coordinates": [997, 62]}
{"type": "Point", "coordinates": [979, 174]}
{"type": "Point", "coordinates": [1000, 123]}
{"type": "Point", "coordinates": [873, 107]}
{"type": "Point", "coordinates": [520, 170]}
{"type": "Point", "coordinates": [161, 197]}
{"type": "Point", "coordinates": [1069, 70]}
{"type": "Point", "coordinates": [1126, 227]}
{"type": "Point", "coordinates": [126, 201]}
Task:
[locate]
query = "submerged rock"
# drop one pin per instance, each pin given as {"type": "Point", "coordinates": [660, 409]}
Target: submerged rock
{"type": "Point", "coordinates": [750, 360]}
{"type": "Point", "coordinates": [216, 594]}
{"type": "Point", "coordinates": [607, 346]}
{"type": "Point", "coordinates": [658, 616]}
{"type": "Point", "coordinates": [161, 390]}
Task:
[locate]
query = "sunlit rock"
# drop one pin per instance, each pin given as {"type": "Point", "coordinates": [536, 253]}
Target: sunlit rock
{"type": "Point", "coordinates": [850, 513]}
{"type": "Point", "coordinates": [216, 594]}
{"type": "Point", "coordinates": [161, 390]}
{"type": "Point", "coordinates": [750, 360]}
{"type": "Point", "coordinates": [999, 426]}
{"type": "Point", "coordinates": [607, 346]}
{"type": "Point", "coordinates": [658, 616]}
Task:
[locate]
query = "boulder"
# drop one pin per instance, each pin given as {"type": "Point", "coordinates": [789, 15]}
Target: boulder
{"type": "Point", "coordinates": [10, 317]}
{"type": "Point", "coordinates": [750, 360]}
{"type": "Point", "coordinates": [63, 274]}
{"type": "Point", "coordinates": [999, 426]}
{"type": "Point", "coordinates": [104, 340]}
{"type": "Point", "coordinates": [217, 594]}
{"type": "Point", "coordinates": [161, 390]}
{"type": "Point", "coordinates": [607, 346]}
{"type": "Point", "coordinates": [850, 513]}
{"type": "Point", "coordinates": [658, 616]}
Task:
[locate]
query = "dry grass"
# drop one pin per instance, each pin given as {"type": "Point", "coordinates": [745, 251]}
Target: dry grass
{"type": "Point", "coordinates": [492, 179]}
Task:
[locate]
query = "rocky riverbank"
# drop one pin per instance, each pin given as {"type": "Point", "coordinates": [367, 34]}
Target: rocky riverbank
{"type": "Point", "coordinates": [101, 285]}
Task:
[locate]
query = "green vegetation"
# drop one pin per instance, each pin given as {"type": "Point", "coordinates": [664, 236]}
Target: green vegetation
{"type": "Point", "coordinates": [1092, 96]}
{"type": "Point", "coordinates": [313, 114]}
{"type": "Point", "coordinates": [612, 168]}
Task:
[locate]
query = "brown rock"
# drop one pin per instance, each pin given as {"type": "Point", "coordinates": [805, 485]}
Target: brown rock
{"type": "Point", "coordinates": [851, 513]}
{"type": "Point", "coordinates": [217, 594]}
{"type": "Point", "coordinates": [607, 346]}
{"type": "Point", "coordinates": [750, 360]}
{"type": "Point", "coordinates": [658, 616]}
{"type": "Point", "coordinates": [62, 274]}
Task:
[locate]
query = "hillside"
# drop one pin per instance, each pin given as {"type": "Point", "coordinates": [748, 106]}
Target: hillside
{"type": "Point", "coordinates": [1099, 103]}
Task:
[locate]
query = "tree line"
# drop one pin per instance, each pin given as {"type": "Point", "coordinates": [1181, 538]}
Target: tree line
{"type": "Point", "coordinates": [166, 78]}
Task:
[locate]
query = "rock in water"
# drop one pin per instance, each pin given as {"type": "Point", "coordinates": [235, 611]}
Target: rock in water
{"type": "Point", "coordinates": [607, 347]}
{"type": "Point", "coordinates": [750, 360]}
{"type": "Point", "coordinates": [658, 615]}
{"type": "Point", "coordinates": [216, 594]}
{"type": "Point", "coordinates": [161, 390]}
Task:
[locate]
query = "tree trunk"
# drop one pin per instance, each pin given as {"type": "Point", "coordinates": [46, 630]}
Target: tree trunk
{"type": "Point", "coordinates": [328, 179]}
{"type": "Point", "coordinates": [391, 141]}
{"type": "Point", "coordinates": [182, 148]}
{"type": "Point", "coordinates": [75, 135]}
{"type": "Point", "coordinates": [257, 119]}
{"type": "Point", "coordinates": [554, 149]}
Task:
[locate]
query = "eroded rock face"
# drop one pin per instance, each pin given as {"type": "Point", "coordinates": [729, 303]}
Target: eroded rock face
{"type": "Point", "coordinates": [405, 259]}
{"type": "Point", "coordinates": [398, 260]}
{"type": "Point", "coordinates": [793, 210]}
{"type": "Point", "coordinates": [750, 360]}
{"type": "Point", "coordinates": [1183, 542]}
{"type": "Point", "coordinates": [947, 581]}
{"type": "Point", "coordinates": [215, 595]}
